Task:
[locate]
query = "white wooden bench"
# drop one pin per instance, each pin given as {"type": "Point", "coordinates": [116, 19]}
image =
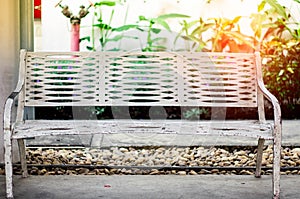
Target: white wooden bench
{"type": "Point", "coordinates": [140, 79]}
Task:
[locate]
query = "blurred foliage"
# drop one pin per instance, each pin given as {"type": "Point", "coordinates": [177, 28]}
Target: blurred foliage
{"type": "Point", "coordinates": [274, 22]}
{"type": "Point", "coordinates": [103, 24]}
{"type": "Point", "coordinates": [153, 25]}
{"type": "Point", "coordinates": [281, 69]}
{"type": "Point", "coordinates": [223, 35]}
{"type": "Point", "coordinates": [103, 30]}
{"type": "Point", "coordinates": [195, 113]}
{"type": "Point", "coordinates": [279, 36]}
{"type": "Point", "coordinates": [276, 35]}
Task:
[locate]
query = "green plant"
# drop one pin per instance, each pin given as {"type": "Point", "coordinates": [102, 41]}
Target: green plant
{"type": "Point", "coordinates": [151, 25]}
{"type": "Point", "coordinates": [107, 33]}
{"type": "Point", "coordinates": [279, 37]}
{"type": "Point", "coordinates": [223, 33]}
{"type": "Point", "coordinates": [282, 70]}
{"type": "Point", "coordinates": [271, 23]}
{"type": "Point", "coordinates": [194, 113]}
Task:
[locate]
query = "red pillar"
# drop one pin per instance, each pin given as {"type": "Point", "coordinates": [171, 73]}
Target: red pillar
{"type": "Point", "coordinates": [75, 32]}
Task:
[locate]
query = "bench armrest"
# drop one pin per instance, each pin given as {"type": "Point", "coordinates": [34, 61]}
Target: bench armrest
{"type": "Point", "coordinates": [272, 99]}
{"type": "Point", "coordinates": [8, 110]}
{"type": "Point", "coordinates": [11, 98]}
{"type": "Point", "coordinates": [268, 95]}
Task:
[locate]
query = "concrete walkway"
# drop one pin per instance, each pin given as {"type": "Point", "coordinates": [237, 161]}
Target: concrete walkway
{"type": "Point", "coordinates": [151, 187]}
{"type": "Point", "coordinates": [159, 186]}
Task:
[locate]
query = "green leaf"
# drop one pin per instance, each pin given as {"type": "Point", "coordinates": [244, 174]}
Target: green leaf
{"type": "Point", "coordinates": [103, 26]}
{"type": "Point", "coordinates": [197, 31]}
{"type": "Point", "coordinates": [115, 38]}
{"type": "Point", "coordinates": [88, 38]}
{"type": "Point", "coordinates": [261, 6]}
{"type": "Point", "coordinates": [191, 24]}
{"type": "Point", "coordinates": [142, 18]}
{"type": "Point", "coordinates": [281, 72]}
{"type": "Point", "coordinates": [163, 24]}
{"type": "Point", "coordinates": [290, 70]}
{"type": "Point", "coordinates": [172, 15]}
{"type": "Point", "coordinates": [158, 48]}
{"type": "Point", "coordinates": [298, 33]}
{"type": "Point", "coordinates": [90, 48]}
{"type": "Point", "coordinates": [130, 37]}
{"type": "Point", "coordinates": [119, 37]}
{"type": "Point", "coordinates": [158, 39]}
{"type": "Point", "coordinates": [105, 3]}
{"type": "Point", "coordinates": [236, 19]}
{"type": "Point", "coordinates": [191, 38]}
{"type": "Point", "coordinates": [279, 8]}
{"type": "Point", "coordinates": [125, 27]}
{"type": "Point", "coordinates": [202, 28]}
{"type": "Point", "coordinates": [156, 30]}
{"type": "Point", "coordinates": [140, 29]}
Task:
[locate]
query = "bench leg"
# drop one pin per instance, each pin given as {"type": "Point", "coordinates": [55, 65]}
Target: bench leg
{"type": "Point", "coordinates": [8, 164]}
{"type": "Point", "coordinates": [259, 155]}
{"type": "Point", "coordinates": [276, 168]}
{"type": "Point", "coordinates": [22, 151]}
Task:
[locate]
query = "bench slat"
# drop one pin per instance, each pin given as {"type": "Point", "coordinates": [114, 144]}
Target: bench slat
{"type": "Point", "coordinates": [248, 128]}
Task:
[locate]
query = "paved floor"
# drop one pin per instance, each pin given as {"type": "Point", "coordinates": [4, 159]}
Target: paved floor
{"type": "Point", "coordinates": [159, 186]}
{"type": "Point", "coordinates": [151, 187]}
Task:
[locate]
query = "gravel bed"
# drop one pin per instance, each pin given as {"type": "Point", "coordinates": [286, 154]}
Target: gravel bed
{"type": "Point", "coordinates": [156, 161]}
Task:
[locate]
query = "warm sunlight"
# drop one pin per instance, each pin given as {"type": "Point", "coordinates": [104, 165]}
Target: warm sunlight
{"type": "Point", "coordinates": [150, 99]}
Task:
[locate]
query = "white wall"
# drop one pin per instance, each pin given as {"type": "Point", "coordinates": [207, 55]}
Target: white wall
{"type": "Point", "coordinates": [9, 54]}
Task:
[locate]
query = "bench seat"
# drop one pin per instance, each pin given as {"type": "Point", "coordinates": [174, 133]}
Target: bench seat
{"type": "Point", "coordinates": [245, 128]}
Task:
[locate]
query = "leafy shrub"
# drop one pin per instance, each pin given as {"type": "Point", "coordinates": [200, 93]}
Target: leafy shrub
{"type": "Point", "coordinates": [281, 70]}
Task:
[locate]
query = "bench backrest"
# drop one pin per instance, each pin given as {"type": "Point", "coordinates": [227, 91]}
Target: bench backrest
{"type": "Point", "coordinates": [140, 79]}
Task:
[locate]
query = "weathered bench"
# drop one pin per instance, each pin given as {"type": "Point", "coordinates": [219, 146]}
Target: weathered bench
{"type": "Point", "coordinates": [141, 79]}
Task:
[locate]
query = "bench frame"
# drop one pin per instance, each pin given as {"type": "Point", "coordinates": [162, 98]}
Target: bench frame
{"type": "Point", "coordinates": [18, 128]}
